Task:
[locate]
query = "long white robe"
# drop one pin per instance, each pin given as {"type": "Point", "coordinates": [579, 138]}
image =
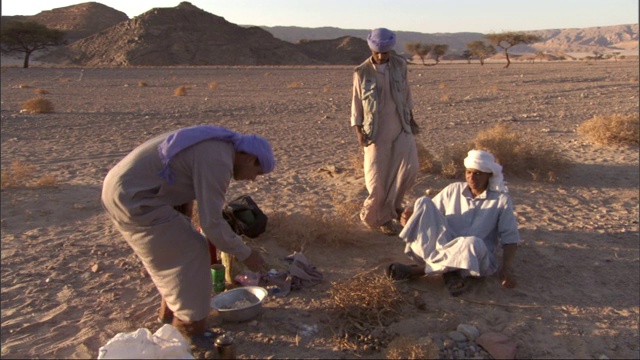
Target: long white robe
{"type": "Point", "coordinates": [456, 231]}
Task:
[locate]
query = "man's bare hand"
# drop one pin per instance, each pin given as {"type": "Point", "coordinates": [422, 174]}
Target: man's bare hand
{"type": "Point", "coordinates": [406, 214]}
{"type": "Point", "coordinates": [255, 262]}
{"type": "Point", "coordinates": [507, 278]}
{"type": "Point", "coordinates": [362, 140]}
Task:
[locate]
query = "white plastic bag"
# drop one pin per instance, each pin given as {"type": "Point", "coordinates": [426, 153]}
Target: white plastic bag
{"type": "Point", "coordinates": [166, 343]}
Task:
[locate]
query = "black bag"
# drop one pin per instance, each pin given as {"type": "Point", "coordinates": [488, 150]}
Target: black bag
{"type": "Point", "coordinates": [245, 217]}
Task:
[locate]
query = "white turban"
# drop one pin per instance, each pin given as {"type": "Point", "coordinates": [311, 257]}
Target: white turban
{"type": "Point", "coordinates": [381, 40]}
{"type": "Point", "coordinates": [485, 162]}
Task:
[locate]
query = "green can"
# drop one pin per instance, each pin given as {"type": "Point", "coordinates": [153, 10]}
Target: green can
{"type": "Point", "coordinates": [217, 276]}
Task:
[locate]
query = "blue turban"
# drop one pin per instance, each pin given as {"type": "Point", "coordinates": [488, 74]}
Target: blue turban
{"type": "Point", "coordinates": [381, 40]}
{"type": "Point", "coordinates": [181, 139]}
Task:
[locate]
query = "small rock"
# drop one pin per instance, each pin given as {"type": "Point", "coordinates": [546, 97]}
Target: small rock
{"type": "Point", "coordinates": [498, 345]}
{"type": "Point", "coordinates": [470, 331]}
{"type": "Point", "coordinates": [448, 343]}
{"type": "Point", "coordinates": [457, 336]}
{"type": "Point", "coordinates": [95, 268]}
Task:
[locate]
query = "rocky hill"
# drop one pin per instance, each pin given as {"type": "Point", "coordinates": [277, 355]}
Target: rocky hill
{"type": "Point", "coordinates": [187, 35]}
{"type": "Point", "coordinates": [183, 35]}
{"type": "Point", "coordinates": [78, 21]}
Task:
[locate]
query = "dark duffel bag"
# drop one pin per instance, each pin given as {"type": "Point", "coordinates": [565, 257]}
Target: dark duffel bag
{"type": "Point", "coordinates": [245, 217]}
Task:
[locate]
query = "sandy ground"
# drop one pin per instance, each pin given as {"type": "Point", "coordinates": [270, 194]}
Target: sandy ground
{"type": "Point", "coordinates": [578, 268]}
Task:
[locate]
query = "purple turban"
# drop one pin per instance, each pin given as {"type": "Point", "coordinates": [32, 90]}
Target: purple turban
{"type": "Point", "coordinates": [381, 40]}
{"type": "Point", "coordinates": [184, 138]}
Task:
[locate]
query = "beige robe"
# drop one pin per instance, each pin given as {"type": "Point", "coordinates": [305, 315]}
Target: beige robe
{"type": "Point", "coordinates": [140, 204]}
{"type": "Point", "coordinates": [390, 162]}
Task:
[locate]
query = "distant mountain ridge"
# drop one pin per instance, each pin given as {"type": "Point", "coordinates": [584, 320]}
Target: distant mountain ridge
{"type": "Point", "coordinates": [187, 35]}
{"type": "Point", "coordinates": [602, 38]}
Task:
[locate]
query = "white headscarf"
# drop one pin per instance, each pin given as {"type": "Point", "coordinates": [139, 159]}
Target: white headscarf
{"type": "Point", "coordinates": [485, 162]}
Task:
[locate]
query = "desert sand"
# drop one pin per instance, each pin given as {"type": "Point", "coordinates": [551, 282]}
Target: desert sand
{"type": "Point", "coordinates": [70, 282]}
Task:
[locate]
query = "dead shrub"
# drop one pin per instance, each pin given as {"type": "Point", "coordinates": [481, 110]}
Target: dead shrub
{"type": "Point", "coordinates": [37, 105]}
{"type": "Point", "coordinates": [40, 91]}
{"type": "Point", "coordinates": [181, 90]}
{"type": "Point", "coordinates": [301, 231]}
{"type": "Point", "coordinates": [518, 155]}
{"type": "Point", "coordinates": [213, 85]}
{"type": "Point", "coordinates": [615, 129]}
{"type": "Point", "coordinates": [410, 347]}
{"type": "Point", "coordinates": [295, 85]}
{"type": "Point", "coordinates": [47, 181]}
{"type": "Point", "coordinates": [360, 308]}
{"type": "Point", "coordinates": [17, 175]}
{"type": "Point", "coordinates": [142, 84]}
{"type": "Point", "coordinates": [426, 160]}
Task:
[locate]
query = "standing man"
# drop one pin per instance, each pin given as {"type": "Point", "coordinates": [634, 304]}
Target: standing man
{"type": "Point", "coordinates": [459, 231]}
{"type": "Point", "coordinates": [141, 191]}
{"type": "Point", "coordinates": [381, 116]}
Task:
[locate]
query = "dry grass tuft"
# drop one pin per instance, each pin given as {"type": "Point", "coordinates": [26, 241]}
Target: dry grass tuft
{"type": "Point", "coordinates": [181, 90]}
{"type": "Point", "coordinates": [295, 85]}
{"type": "Point", "coordinates": [410, 347]}
{"type": "Point", "coordinates": [518, 155]}
{"type": "Point", "coordinates": [17, 175]}
{"type": "Point", "coordinates": [142, 84]}
{"type": "Point", "coordinates": [615, 129]}
{"type": "Point", "coordinates": [24, 86]}
{"type": "Point", "coordinates": [360, 308]}
{"type": "Point", "coordinates": [213, 85]}
{"type": "Point", "coordinates": [40, 91]}
{"type": "Point", "coordinates": [444, 98]}
{"type": "Point", "coordinates": [47, 181]}
{"type": "Point", "coordinates": [311, 228]}
{"type": "Point", "coordinates": [426, 160]}
{"type": "Point", "coordinates": [37, 105]}
{"type": "Point", "coordinates": [442, 86]}
{"type": "Point", "coordinates": [326, 89]}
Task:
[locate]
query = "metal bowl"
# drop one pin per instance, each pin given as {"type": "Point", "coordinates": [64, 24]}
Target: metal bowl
{"type": "Point", "coordinates": [239, 304]}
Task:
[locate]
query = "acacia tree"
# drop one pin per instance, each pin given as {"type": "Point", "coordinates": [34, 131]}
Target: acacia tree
{"type": "Point", "coordinates": [481, 50]}
{"type": "Point", "coordinates": [419, 49]}
{"type": "Point", "coordinates": [438, 51]}
{"type": "Point", "coordinates": [27, 37]}
{"type": "Point", "coordinates": [507, 40]}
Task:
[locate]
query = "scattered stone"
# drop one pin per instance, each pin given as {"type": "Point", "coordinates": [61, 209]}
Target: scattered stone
{"type": "Point", "coordinates": [470, 331]}
{"type": "Point", "coordinates": [498, 345]}
{"type": "Point", "coordinates": [96, 268]}
{"type": "Point", "coordinates": [457, 336]}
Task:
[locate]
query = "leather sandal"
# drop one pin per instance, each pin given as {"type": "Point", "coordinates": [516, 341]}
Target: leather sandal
{"type": "Point", "coordinates": [397, 271]}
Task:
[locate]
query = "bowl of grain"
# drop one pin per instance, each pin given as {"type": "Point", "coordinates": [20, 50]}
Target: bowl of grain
{"type": "Point", "coordinates": [239, 304]}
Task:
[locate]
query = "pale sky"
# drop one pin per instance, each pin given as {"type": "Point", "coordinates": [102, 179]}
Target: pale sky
{"type": "Point", "coordinates": [426, 16]}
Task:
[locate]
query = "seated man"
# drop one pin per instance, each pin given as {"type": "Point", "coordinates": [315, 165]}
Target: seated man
{"type": "Point", "coordinates": [457, 233]}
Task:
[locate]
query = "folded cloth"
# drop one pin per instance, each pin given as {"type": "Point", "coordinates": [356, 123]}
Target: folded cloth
{"type": "Point", "coordinates": [301, 274]}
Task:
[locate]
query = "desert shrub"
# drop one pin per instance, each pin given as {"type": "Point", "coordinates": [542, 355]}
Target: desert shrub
{"type": "Point", "coordinates": [452, 160]}
{"type": "Point", "coordinates": [359, 308]}
{"type": "Point", "coordinates": [615, 129]}
{"type": "Point", "coordinates": [410, 347]}
{"type": "Point", "coordinates": [181, 90]}
{"type": "Point", "coordinates": [40, 91]}
{"type": "Point", "coordinates": [519, 156]}
{"type": "Point", "coordinates": [47, 181]}
{"type": "Point", "coordinates": [312, 228]}
{"type": "Point", "coordinates": [142, 83]}
{"type": "Point", "coordinates": [426, 160]}
{"type": "Point", "coordinates": [37, 105]}
{"type": "Point", "coordinates": [16, 175]}
{"type": "Point", "coordinates": [213, 85]}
